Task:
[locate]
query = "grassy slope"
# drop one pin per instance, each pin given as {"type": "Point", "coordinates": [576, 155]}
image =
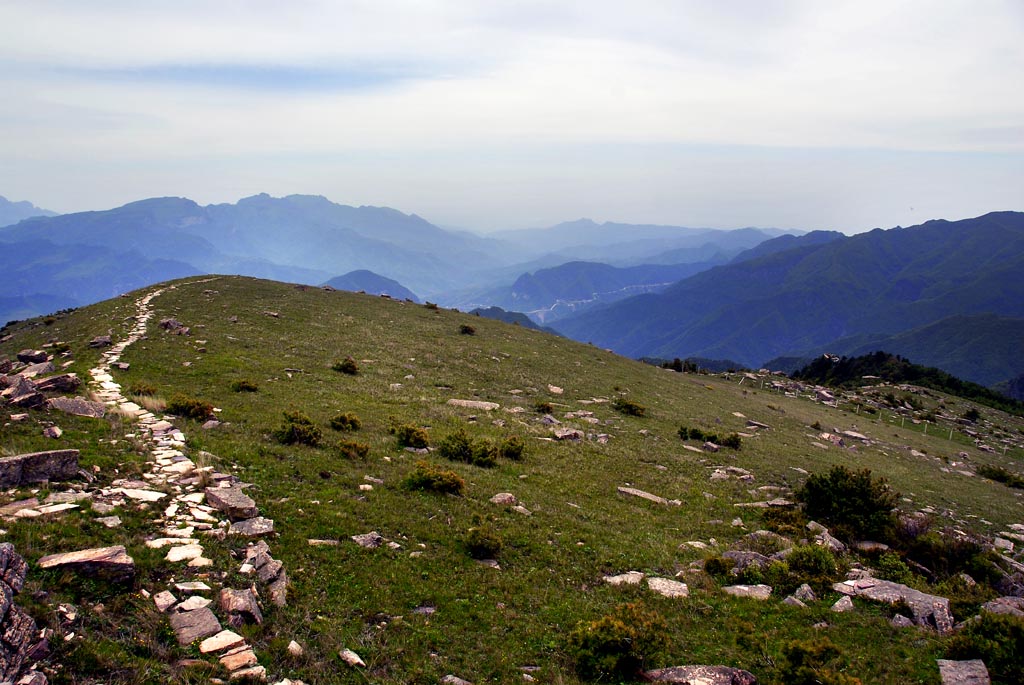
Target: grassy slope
{"type": "Point", "coordinates": [489, 623]}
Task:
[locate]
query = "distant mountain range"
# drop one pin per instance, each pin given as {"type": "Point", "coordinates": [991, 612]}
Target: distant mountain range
{"type": "Point", "coordinates": [79, 258]}
{"type": "Point", "coordinates": [13, 212]}
{"type": "Point", "coordinates": [945, 294]}
{"type": "Point", "coordinates": [862, 291]}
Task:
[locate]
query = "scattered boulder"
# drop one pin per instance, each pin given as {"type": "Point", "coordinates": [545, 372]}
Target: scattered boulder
{"type": "Point", "coordinates": [190, 626]}
{"type": "Point", "coordinates": [77, 406]}
{"type": "Point", "coordinates": [254, 527]}
{"type": "Point", "coordinates": [233, 502]}
{"type": "Point", "coordinates": [971, 672]}
{"type": "Point", "coordinates": [65, 382]}
{"type": "Point", "coordinates": [101, 341]}
{"type": "Point", "coordinates": [37, 467]}
{"type": "Point", "coordinates": [241, 606]}
{"type": "Point", "coordinates": [1014, 606]}
{"type": "Point", "coordinates": [930, 611]}
{"type": "Point", "coordinates": [351, 658]}
{"type": "Point", "coordinates": [505, 499]}
{"type": "Point", "coordinates": [32, 356]}
{"type": "Point", "coordinates": [634, 492]}
{"type": "Point", "coordinates": [474, 404]}
{"type": "Point", "coordinates": [805, 593]}
{"type": "Point", "coordinates": [110, 563]}
{"type": "Point", "coordinates": [701, 675]}
{"type": "Point", "coordinates": [843, 604]}
{"type": "Point", "coordinates": [761, 592]}
{"type": "Point", "coordinates": [371, 540]}
{"type": "Point", "coordinates": [668, 587]}
{"type": "Point", "coordinates": [628, 578]}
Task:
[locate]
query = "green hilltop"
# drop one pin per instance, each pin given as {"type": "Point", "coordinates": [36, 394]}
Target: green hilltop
{"type": "Point", "coordinates": [420, 606]}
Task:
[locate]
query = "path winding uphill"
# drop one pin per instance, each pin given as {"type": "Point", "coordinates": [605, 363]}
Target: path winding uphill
{"type": "Point", "coordinates": [205, 508]}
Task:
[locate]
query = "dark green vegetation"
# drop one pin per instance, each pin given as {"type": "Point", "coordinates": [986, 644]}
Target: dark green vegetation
{"type": "Point", "coordinates": [880, 283]}
{"type": "Point", "coordinates": [486, 623]}
{"type": "Point", "coordinates": [850, 372]}
{"type": "Point", "coordinates": [852, 503]}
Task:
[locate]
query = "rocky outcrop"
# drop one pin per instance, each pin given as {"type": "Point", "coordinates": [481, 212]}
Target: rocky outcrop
{"type": "Point", "coordinates": [232, 501]}
{"type": "Point", "coordinates": [930, 611]}
{"type": "Point", "coordinates": [17, 628]}
{"type": "Point", "coordinates": [38, 467]}
{"type": "Point", "coordinates": [77, 406]}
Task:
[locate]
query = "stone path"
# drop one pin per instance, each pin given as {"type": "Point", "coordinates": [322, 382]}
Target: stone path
{"type": "Point", "coordinates": [196, 507]}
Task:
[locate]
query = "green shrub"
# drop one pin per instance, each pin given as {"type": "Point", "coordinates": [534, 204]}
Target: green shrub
{"type": "Point", "coordinates": [946, 553]}
{"type": "Point", "coordinates": [512, 448]}
{"type": "Point", "coordinates": [814, 662]}
{"type": "Point", "coordinates": [628, 407]}
{"type": "Point", "coordinates": [142, 389]}
{"type": "Point", "coordinates": [784, 520]}
{"type": "Point", "coordinates": [485, 454]}
{"type": "Point", "coordinates": [432, 478]}
{"type": "Point", "coordinates": [618, 646]}
{"type": "Point", "coordinates": [1001, 475]}
{"type": "Point", "coordinates": [814, 565]}
{"type": "Point", "coordinates": [972, 414]}
{"type": "Point", "coordinates": [483, 543]}
{"type": "Point", "coordinates": [855, 505]}
{"type": "Point", "coordinates": [996, 639]}
{"type": "Point", "coordinates": [542, 407]}
{"type": "Point", "coordinates": [456, 447]}
{"type": "Point", "coordinates": [718, 567]}
{"type": "Point", "coordinates": [430, 305]}
{"type": "Point", "coordinates": [244, 386]}
{"type": "Point", "coordinates": [349, 449]}
{"type": "Point", "coordinates": [965, 598]}
{"type": "Point", "coordinates": [346, 422]}
{"type": "Point", "coordinates": [466, 329]}
{"type": "Point", "coordinates": [697, 434]}
{"type": "Point", "coordinates": [189, 407]}
{"type": "Point", "coordinates": [347, 366]}
{"type": "Point", "coordinates": [732, 441]}
{"type": "Point", "coordinates": [891, 567]}
{"type": "Point", "coordinates": [409, 435]}
{"type": "Point", "coordinates": [298, 429]}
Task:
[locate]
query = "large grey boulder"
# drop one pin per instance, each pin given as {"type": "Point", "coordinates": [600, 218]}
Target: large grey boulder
{"type": "Point", "coordinates": [110, 563]}
{"type": "Point", "coordinates": [233, 502]}
{"type": "Point", "coordinates": [197, 624]}
{"type": "Point", "coordinates": [65, 382]}
{"type": "Point", "coordinates": [32, 356]}
{"type": "Point", "coordinates": [77, 406]}
{"type": "Point", "coordinates": [930, 611]}
{"type": "Point", "coordinates": [972, 672]}
{"type": "Point", "coordinates": [37, 467]}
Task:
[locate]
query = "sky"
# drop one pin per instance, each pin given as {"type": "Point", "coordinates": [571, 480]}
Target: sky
{"type": "Point", "coordinates": [797, 114]}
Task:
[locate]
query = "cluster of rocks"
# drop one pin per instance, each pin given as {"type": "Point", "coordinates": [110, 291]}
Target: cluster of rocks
{"type": "Point", "coordinates": [25, 384]}
{"type": "Point", "coordinates": [20, 641]}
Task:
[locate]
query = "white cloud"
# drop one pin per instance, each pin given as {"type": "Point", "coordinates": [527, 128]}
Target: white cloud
{"type": "Point", "coordinates": [127, 82]}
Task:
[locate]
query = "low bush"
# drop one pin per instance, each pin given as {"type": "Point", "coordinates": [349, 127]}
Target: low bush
{"type": "Point", "coordinates": [542, 407]}
{"type": "Point", "coordinates": [628, 407]}
{"type": "Point", "coordinates": [784, 520]}
{"type": "Point", "coordinates": [347, 422]}
{"type": "Point", "coordinates": [141, 389]}
{"type": "Point", "coordinates": [298, 429]}
{"type": "Point", "coordinates": [948, 552]}
{"type": "Point", "coordinates": [618, 646]}
{"type": "Point", "coordinates": [349, 449]}
{"type": "Point", "coordinates": [483, 543]}
{"type": "Point", "coordinates": [1001, 475]}
{"type": "Point", "coordinates": [485, 454]}
{"type": "Point", "coordinates": [189, 407]}
{"type": "Point", "coordinates": [347, 366]}
{"type": "Point", "coordinates": [456, 447]}
{"type": "Point", "coordinates": [466, 329]}
{"type": "Point", "coordinates": [996, 639]}
{"type": "Point", "coordinates": [432, 478]}
{"type": "Point", "coordinates": [814, 565]}
{"type": "Point", "coordinates": [855, 505]}
{"type": "Point", "coordinates": [244, 386]}
{"type": "Point", "coordinates": [814, 662]}
{"type": "Point", "coordinates": [718, 567]}
{"type": "Point", "coordinates": [512, 448]}
{"type": "Point", "coordinates": [891, 567]}
{"type": "Point", "coordinates": [697, 434]}
{"type": "Point", "coordinates": [965, 595]}
{"type": "Point", "coordinates": [430, 305]}
{"type": "Point", "coordinates": [409, 435]}
{"type": "Point", "coordinates": [732, 441]}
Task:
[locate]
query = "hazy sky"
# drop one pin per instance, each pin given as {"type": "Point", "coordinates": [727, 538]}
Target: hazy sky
{"type": "Point", "coordinates": [786, 113]}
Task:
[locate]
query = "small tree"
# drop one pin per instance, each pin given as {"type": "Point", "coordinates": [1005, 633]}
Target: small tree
{"type": "Point", "coordinates": [852, 502]}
